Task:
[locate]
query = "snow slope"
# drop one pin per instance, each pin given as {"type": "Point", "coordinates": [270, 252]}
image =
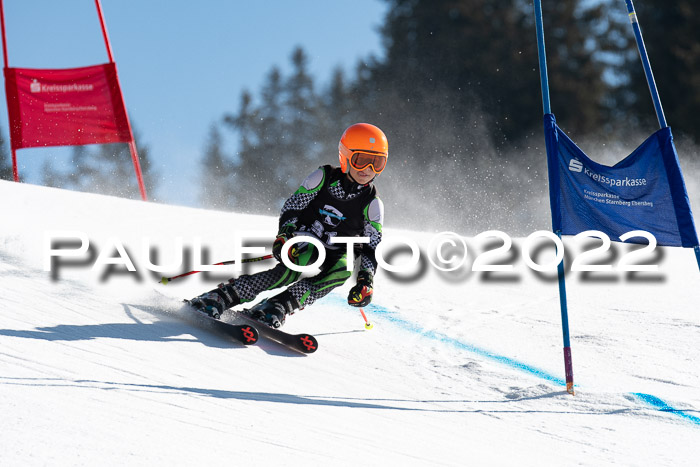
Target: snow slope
{"type": "Point", "coordinates": [101, 366]}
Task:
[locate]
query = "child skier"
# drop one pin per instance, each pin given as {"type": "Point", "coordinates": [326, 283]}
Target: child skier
{"type": "Point", "coordinates": [332, 201]}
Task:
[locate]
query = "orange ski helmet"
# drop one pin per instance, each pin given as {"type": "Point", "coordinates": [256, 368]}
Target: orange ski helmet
{"type": "Point", "coordinates": [363, 145]}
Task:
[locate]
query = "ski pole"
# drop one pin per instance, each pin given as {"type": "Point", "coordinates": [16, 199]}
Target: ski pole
{"type": "Point", "coordinates": [368, 325]}
{"type": "Point", "coordinates": [165, 280]}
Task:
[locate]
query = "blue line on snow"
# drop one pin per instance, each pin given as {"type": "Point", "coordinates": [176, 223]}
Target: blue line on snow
{"type": "Point", "coordinates": [649, 399]}
{"type": "Point", "coordinates": [662, 406]}
{"type": "Point", "coordinates": [445, 339]}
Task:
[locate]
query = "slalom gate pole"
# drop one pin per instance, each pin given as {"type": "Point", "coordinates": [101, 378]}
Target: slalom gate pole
{"type": "Point", "coordinates": [132, 142]}
{"type": "Point", "coordinates": [544, 81]}
{"type": "Point", "coordinates": [101, 17]}
{"type": "Point", "coordinates": [568, 364]}
{"type": "Point", "coordinates": [650, 80]}
{"type": "Point", "coordinates": [4, 36]}
{"type": "Point", "coordinates": [165, 280]}
{"type": "Point", "coordinates": [15, 172]}
{"type": "Point", "coordinates": [645, 63]}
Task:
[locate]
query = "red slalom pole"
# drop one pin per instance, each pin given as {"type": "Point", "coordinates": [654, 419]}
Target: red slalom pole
{"type": "Point", "coordinates": [104, 31]}
{"type": "Point", "coordinates": [132, 141]}
{"type": "Point", "coordinates": [15, 172]}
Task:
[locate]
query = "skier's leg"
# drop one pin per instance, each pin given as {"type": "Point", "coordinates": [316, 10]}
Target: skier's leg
{"type": "Point", "coordinates": [248, 286]}
{"type": "Point", "coordinates": [243, 289]}
{"type": "Point", "coordinates": [333, 274]}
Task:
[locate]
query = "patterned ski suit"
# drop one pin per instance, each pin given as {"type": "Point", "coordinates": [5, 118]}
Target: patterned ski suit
{"type": "Point", "coordinates": [326, 205]}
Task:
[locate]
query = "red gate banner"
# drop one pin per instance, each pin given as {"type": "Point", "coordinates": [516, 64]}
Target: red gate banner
{"type": "Point", "coordinates": [65, 107]}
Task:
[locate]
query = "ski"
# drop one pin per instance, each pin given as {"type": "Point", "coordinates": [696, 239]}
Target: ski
{"type": "Point", "coordinates": [245, 333]}
{"type": "Point", "coordinates": [304, 343]}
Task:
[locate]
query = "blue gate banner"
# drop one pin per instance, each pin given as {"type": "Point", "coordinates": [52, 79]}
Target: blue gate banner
{"type": "Point", "coordinates": [644, 191]}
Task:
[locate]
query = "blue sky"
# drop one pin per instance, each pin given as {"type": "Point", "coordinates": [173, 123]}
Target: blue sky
{"type": "Point", "coordinates": [183, 64]}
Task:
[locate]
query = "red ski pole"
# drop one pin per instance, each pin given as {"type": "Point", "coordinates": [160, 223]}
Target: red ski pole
{"type": "Point", "coordinates": [368, 325]}
{"type": "Point", "coordinates": [165, 280]}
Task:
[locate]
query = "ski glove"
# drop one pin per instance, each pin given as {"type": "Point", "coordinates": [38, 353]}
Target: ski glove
{"type": "Point", "coordinates": [285, 233]}
{"type": "Point", "coordinates": [361, 293]}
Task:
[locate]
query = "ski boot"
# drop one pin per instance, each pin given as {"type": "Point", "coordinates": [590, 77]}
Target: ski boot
{"type": "Point", "coordinates": [216, 301]}
{"type": "Point", "coordinates": [273, 311]}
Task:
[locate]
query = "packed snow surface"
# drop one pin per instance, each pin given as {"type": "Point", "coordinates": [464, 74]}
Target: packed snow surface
{"type": "Point", "coordinates": [100, 365]}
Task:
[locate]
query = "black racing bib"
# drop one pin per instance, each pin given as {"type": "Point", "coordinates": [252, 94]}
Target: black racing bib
{"type": "Point", "coordinates": [327, 216]}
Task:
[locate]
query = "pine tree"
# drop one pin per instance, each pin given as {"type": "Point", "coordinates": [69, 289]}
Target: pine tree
{"type": "Point", "coordinates": [240, 191]}
{"type": "Point", "coordinates": [105, 169]}
{"type": "Point", "coordinates": [670, 31]}
{"type": "Point", "coordinates": [335, 113]}
{"type": "Point", "coordinates": [261, 136]}
{"type": "Point", "coordinates": [457, 89]}
{"type": "Point", "coordinates": [478, 58]}
{"type": "Point", "coordinates": [216, 174]}
{"type": "Point", "coordinates": [5, 160]}
{"type": "Point", "coordinates": [302, 108]}
{"type": "Point", "coordinates": [50, 176]}
{"type": "Point", "coordinates": [278, 139]}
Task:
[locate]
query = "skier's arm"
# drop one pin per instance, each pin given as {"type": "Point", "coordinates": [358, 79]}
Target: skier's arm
{"type": "Point", "coordinates": [300, 200]}
{"type": "Point", "coordinates": [361, 293]}
{"type": "Point", "coordinates": [293, 207]}
{"type": "Point", "coordinates": [374, 218]}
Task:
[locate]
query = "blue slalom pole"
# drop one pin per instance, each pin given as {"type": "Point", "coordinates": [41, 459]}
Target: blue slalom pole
{"type": "Point", "coordinates": [650, 80]}
{"type": "Point", "coordinates": [544, 80]}
{"type": "Point", "coordinates": [568, 364]}
{"type": "Point", "coordinates": [645, 63]}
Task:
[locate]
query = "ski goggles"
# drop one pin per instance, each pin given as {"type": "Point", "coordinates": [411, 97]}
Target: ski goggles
{"type": "Point", "coordinates": [361, 160]}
